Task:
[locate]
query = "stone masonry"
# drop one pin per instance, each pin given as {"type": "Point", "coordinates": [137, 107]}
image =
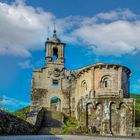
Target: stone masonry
{"type": "Point", "coordinates": [97, 95]}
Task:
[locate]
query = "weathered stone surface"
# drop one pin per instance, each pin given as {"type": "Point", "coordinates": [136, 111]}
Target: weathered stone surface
{"type": "Point", "coordinates": [52, 123]}
{"type": "Point", "coordinates": [107, 116]}
{"type": "Point", "coordinates": [11, 125]}
{"type": "Point", "coordinates": [36, 117]}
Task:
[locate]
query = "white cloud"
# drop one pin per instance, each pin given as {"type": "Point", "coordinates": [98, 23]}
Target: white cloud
{"type": "Point", "coordinates": [26, 64]}
{"type": "Point", "coordinates": [23, 28]}
{"type": "Point", "coordinates": [12, 103]}
{"type": "Point", "coordinates": [115, 38]}
{"type": "Point", "coordinates": [116, 15]}
{"type": "Point", "coordinates": [114, 33]}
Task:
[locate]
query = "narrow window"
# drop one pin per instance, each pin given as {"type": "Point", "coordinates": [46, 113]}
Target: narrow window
{"type": "Point", "coordinates": [106, 84]}
{"type": "Point", "coordinates": [55, 83]}
{"type": "Point", "coordinates": [84, 86]}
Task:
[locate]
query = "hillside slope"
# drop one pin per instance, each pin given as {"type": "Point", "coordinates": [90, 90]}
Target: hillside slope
{"type": "Point", "coordinates": [137, 109]}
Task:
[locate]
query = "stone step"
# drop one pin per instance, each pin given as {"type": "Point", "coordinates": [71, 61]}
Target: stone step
{"type": "Point", "coordinates": [52, 123]}
{"type": "Point", "coordinates": [53, 119]}
{"type": "Point", "coordinates": [50, 131]}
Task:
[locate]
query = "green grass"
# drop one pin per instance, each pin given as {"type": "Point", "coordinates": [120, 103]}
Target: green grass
{"type": "Point", "coordinates": [22, 113]}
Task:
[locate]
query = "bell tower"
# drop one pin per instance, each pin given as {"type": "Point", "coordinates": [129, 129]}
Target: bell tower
{"type": "Point", "coordinates": [54, 49]}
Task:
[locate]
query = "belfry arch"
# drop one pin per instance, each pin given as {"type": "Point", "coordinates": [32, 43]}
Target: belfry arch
{"type": "Point", "coordinates": [55, 53]}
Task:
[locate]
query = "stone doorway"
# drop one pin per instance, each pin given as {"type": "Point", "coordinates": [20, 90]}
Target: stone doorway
{"type": "Point", "coordinates": [55, 104]}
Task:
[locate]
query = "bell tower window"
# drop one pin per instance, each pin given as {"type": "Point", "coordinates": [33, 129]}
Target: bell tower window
{"type": "Point", "coordinates": [55, 54]}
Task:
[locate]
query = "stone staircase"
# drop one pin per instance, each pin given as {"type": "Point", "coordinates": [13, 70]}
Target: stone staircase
{"type": "Point", "coordinates": [52, 123]}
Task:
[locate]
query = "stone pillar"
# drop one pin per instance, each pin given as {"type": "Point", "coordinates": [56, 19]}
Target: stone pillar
{"type": "Point", "coordinates": [62, 51]}
{"type": "Point", "coordinates": [93, 82]}
{"type": "Point", "coordinates": [59, 106]}
{"type": "Point", "coordinates": [120, 82]}
{"type": "Point", "coordinates": [59, 52]}
{"type": "Point", "coordinates": [48, 53]}
{"type": "Point", "coordinates": [48, 49]}
{"type": "Point", "coordinates": [106, 118]}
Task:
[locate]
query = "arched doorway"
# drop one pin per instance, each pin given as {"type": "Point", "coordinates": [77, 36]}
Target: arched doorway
{"type": "Point", "coordinates": [55, 104]}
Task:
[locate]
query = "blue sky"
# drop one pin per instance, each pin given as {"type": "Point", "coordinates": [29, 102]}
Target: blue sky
{"type": "Point", "coordinates": [94, 30]}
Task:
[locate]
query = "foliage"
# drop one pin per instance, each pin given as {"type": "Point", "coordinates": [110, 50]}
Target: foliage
{"type": "Point", "coordinates": [137, 108]}
{"type": "Point", "coordinates": [70, 126]}
{"type": "Point", "coordinates": [5, 109]}
{"type": "Point", "coordinates": [22, 113]}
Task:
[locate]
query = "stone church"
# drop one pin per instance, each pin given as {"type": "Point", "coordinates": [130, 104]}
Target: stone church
{"type": "Point", "coordinates": [96, 95]}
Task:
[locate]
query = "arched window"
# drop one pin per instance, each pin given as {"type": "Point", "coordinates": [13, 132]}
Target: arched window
{"type": "Point", "coordinates": [55, 53]}
{"type": "Point", "coordinates": [84, 86]}
{"type": "Point", "coordinates": [105, 82]}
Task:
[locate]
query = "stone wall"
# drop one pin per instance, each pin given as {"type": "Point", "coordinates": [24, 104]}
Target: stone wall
{"type": "Point", "coordinates": [36, 117]}
{"type": "Point", "coordinates": [95, 76]}
{"type": "Point", "coordinates": [107, 116]}
{"type": "Point", "coordinates": [12, 125]}
{"type": "Point", "coordinates": [43, 89]}
{"type": "Point", "coordinates": [102, 80]}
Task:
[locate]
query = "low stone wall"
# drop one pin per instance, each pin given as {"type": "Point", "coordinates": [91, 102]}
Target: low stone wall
{"type": "Point", "coordinates": [12, 125]}
{"type": "Point", "coordinates": [36, 117]}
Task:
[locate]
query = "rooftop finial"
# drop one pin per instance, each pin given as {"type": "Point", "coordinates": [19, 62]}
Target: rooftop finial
{"type": "Point", "coordinates": [55, 38]}
{"type": "Point", "coordinates": [48, 33]}
{"type": "Point", "coordinates": [54, 31]}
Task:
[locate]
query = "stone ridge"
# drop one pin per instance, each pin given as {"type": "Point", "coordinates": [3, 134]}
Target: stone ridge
{"type": "Point", "coordinates": [12, 125]}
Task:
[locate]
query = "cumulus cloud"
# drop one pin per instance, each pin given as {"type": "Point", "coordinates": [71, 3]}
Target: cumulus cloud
{"type": "Point", "coordinates": [115, 33]}
{"type": "Point", "coordinates": [23, 28]}
{"type": "Point", "coordinates": [115, 38]}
